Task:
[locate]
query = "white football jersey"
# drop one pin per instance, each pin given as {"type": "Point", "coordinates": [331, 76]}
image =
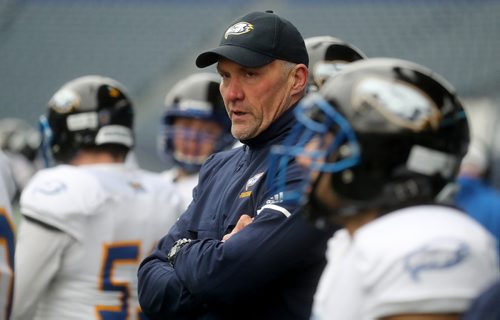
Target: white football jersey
{"type": "Point", "coordinates": [183, 186]}
{"type": "Point", "coordinates": [7, 176]}
{"type": "Point", "coordinates": [424, 259]}
{"type": "Point", "coordinates": [111, 216]}
{"type": "Point", "coordinates": [7, 237]}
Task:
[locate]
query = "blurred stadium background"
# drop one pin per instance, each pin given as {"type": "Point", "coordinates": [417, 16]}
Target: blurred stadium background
{"type": "Point", "coordinates": [150, 44]}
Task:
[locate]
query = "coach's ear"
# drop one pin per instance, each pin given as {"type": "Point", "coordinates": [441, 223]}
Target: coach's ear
{"type": "Point", "coordinates": [299, 75]}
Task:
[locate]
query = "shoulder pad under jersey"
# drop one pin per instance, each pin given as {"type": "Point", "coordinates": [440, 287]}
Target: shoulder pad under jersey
{"type": "Point", "coordinates": [6, 175]}
{"type": "Point", "coordinates": [62, 197]}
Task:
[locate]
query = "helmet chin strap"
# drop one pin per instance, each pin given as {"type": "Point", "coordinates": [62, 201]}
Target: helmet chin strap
{"type": "Point", "coordinates": [317, 211]}
{"type": "Point", "coordinates": [447, 195]}
{"type": "Point", "coordinates": [407, 191]}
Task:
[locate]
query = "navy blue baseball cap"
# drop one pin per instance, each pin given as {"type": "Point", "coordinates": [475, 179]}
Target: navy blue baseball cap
{"type": "Point", "coordinates": [257, 39]}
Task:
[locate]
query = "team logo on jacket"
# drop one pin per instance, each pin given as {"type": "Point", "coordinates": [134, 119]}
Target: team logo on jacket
{"type": "Point", "coordinates": [238, 29]}
{"type": "Point", "coordinates": [250, 183]}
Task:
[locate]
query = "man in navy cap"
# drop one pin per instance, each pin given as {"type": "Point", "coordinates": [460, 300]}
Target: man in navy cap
{"type": "Point", "coordinates": [240, 251]}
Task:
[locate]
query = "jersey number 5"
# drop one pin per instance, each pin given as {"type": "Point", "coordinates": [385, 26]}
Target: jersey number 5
{"type": "Point", "coordinates": [7, 243]}
{"type": "Point", "coordinates": [115, 255]}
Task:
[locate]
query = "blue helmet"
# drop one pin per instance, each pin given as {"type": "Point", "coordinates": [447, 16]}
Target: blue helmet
{"type": "Point", "coordinates": [391, 133]}
{"type": "Point", "coordinates": [194, 97]}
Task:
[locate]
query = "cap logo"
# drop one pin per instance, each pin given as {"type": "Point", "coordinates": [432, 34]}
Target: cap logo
{"type": "Point", "coordinates": [238, 29]}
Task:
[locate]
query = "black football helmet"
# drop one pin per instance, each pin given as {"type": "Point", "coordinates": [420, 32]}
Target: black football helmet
{"type": "Point", "coordinates": [20, 142]}
{"type": "Point", "coordinates": [391, 133]}
{"type": "Point", "coordinates": [196, 96]}
{"type": "Point", "coordinates": [88, 111]}
{"type": "Point", "coordinates": [327, 56]}
{"type": "Point", "coordinates": [19, 137]}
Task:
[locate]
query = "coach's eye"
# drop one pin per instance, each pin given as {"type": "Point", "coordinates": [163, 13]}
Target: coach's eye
{"type": "Point", "coordinates": [250, 74]}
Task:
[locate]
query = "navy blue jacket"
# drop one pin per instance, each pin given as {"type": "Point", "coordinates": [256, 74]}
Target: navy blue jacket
{"type": "Point", "coordinates": [268, 270]}
{"type": "Point", "coordinates": [486, 306]}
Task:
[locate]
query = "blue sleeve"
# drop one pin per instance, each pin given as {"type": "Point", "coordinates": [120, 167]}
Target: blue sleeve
{"type": "Point", "coordinates": [227, 272]}
{"type": "Point", "coordinates": [161, 293]}
{"type": "Point", "coordinates": [486, 305]}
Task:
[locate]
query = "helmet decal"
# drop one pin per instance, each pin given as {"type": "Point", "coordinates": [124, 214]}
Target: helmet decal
{"type": "Point", "coordinates": [113, 92]}
{"type": "Point", "coordinates": [81, 121]}
{"type": "Point", "coordinates": [323, 70]}
{"type": "Point", "coordinates": [115, 134]}
{"type": "Point", "coordinates": [65, 101]}
{"type": "Point", "coordinates": [430, 162]}
{"type": "Point", "coordinates": [195, 105]}
{"type": "Point", "coordinates": [400, 102]}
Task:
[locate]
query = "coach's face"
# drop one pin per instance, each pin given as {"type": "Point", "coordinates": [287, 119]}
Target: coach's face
{"type": "Point", "coordinates": [256, 97]}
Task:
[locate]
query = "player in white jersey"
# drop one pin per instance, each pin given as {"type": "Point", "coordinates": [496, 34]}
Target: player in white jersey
{"type": "Point", "coordinates": [424, 259]}
{"type": "Point", "coordinates": [194, 126]}
{"type": "Point", "coordinates": [7, 237]}
{"type": "Point", "coordinates": [90, 220]}
{"type": "Point", "coordinates": [383, 140]}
